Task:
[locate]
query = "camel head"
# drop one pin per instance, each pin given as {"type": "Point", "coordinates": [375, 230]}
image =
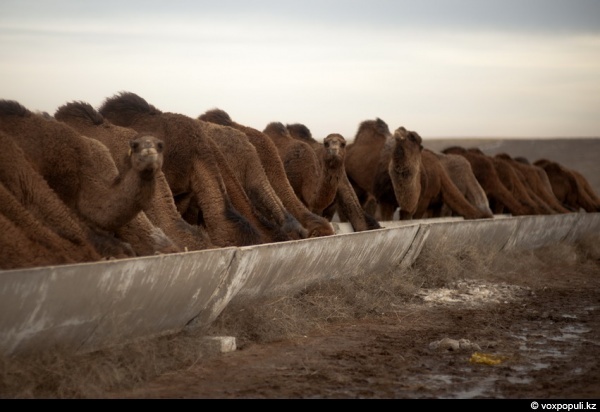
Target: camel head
{"type": "Point", "coordinates": [146, 154]}
{"type": "Point", "coordinates": [335, 148]}
{"type": "Point", "coordinates": [403, 136]}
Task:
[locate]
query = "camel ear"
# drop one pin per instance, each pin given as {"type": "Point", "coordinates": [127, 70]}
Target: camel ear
{"type": "Point", "coordinates": [401, 133]}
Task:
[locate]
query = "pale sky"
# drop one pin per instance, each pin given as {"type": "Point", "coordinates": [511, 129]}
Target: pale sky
{"type": "Point", "coordinates": [443, 68]}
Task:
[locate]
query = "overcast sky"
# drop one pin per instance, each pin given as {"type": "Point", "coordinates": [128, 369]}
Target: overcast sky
{"type": "Point", "coordinates": [451, 68]}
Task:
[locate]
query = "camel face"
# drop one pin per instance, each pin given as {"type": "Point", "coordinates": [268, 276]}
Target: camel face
{"type": "Point", "coordinates": [406, 154]}
{"type": "Point", "coordinates": [405, 169]}
{"type": "Point", "coordinates": [147, 154]}
{"type": "Point", "coordinates": [335, 149]}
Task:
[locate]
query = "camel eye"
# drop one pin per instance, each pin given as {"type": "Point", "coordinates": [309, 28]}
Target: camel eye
{"type": "Point", "coordinates": [160, 145]}
{"type": "Point", "coordinates": [134, 145]}
{"type": "Point", "coordinates": [343, 145]}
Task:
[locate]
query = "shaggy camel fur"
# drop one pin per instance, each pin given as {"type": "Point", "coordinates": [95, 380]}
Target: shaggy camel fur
{"type": "Point", "coordinates": [162, 210]}
{"type": "Point", "coordinates": [499, 196]}
{"type": "Point", "coordinates": [362, 162]}
{"type": "Point", "coordinates": [538, 182]}
{"type": "Point", "coordinates": [83, 174]}
{"type": "Point", "coordinates": [192, 169]}
{"type": "Point", "coordinates": [273, 166]}
{"type": "Point", "coordinates": [459, 170]}
{"type": "Point", "coordinates": [243, 158]}
{"type": "Point", "coordinates": [301, 164]}
{"type": "Point", "coordinates": [38, 228]}
{"type": "Point", "coordinates": [571, 190]}
{"type": "Point", "coordinates": [335, 193]}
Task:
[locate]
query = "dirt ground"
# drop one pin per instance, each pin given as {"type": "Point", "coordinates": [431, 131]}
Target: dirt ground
{"type": "Point", "coordinates": [532, 333]}
{"type": "Point", "coordinates": [523, 325]}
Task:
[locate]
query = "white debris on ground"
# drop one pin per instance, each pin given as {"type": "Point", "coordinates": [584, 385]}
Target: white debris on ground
{"type": "Point", "coordinates": [448, 344]}
{"type": "Point", "coordinates": [474, 293]}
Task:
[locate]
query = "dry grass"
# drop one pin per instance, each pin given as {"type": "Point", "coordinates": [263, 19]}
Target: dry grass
{"type": "Point", "coordinates": [56, 374]}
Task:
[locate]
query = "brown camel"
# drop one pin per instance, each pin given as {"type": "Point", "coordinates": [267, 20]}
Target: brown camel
{"type": "Point", "coordinates": [335, 193]}
{"type": "Point", "coordinates": [420, 183]}
{"type": "Point", "coordinates": [499, 196]}
{"type": "Point", "coordinates": [301, 164]}
{"type": "Point", "coordinates": [19, 251]}
{"type": "Point", "coordinates": [399, 178]}
{"type": "Point", "coordinates": [538, 182]}
{"type": "Point", "coordinates": [459, 170]}
{"type": "Point", "coordinates": [38, 228]}
{"type": "Point", "coordinates": [83, 174]}
{"type": "Point", "coordinates": [515, 182]}
{"type": "Point", "coordinates": [244, 160]}
{"type": "Point", "coordinates": [273, 166]}
{"type": "Point", "coordinates": [162, 210]}
{"type": "Point", "coordinates": [192, 169]}
{"type": "Point", "coordinates": [362, 162]}
{"type": "Point", "coordinates": [569, 188]}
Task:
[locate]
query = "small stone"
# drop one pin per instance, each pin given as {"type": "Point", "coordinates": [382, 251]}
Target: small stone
{"type": "Point", "coordinates": [449, 344]}
{"type": "Point", "coordinates": [219, 344]}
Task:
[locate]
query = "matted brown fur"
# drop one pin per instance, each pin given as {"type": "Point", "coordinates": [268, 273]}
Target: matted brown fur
{"type": "Point", "coordinates": [567, 187]}
{"type": "Point", "coordinates": [162, 210]}
{"type": "Point", "coordinates": [487, 176]}
{"type": "Point", "coordinates": [460, 171]}
{"type": "Point", "coordinates": [38, 229]}
{"type": "Point", "coordinates": [537, 181]}
{"type": "Point", "coordinates": [335, 188]}
{"type": "Point", "coordinates": [79, 169]}
{"type": "Point", "coordinates": [190, 167]}
{"type": "Point", "coordinates": [246, 164]}
{"type": "Point", "coordinates": [273, 166]}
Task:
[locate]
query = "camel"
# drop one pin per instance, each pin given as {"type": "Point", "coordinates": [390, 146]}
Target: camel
{"type": "Point", "coordinates": [571, 190]}
{"type": "Point", "coordinates": [362, 161]}
{"type": "Point", "coordinates": [161, 211]}
{"type": "Point", "coordinates": [301, 164]}
{"type": "Point", "coordinates": [38, 228]}
{"type": "Point", "coordinates": [335, 193]}
{"type": "Point", "coordinates": [399, 178]}
{"type": "Point", "coordinates": [314, 224]}
{"type": "Point", "coordinates": [244, 160]}
{"type": "Point", "coordinates": [83, 174]}
{"type": "Point", "coordinates": [537, 181]}
{"type": "Point", "coordinates": [420, 183]}
{"type": "Point", "coordinates": [514, 181]}
{"type": "Point", "coordinates": [460, 172]}
{"type": "Point", "coordinates": [197, 177]}
{"type": "Point", "coordinates": [499, 196]}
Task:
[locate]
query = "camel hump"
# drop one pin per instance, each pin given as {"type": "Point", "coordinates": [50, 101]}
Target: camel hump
{"type": "Point", "coordinates": [127, 103]}
{"type": "Point", "coordinates": [301, 132]}
{"type": "Point", "coordinates": [377, 127]}
{"type": "Point", "coordinates": [217, 116]}
{"type": "Point", "coordinates": [454, 150]}
{"type": "Point", "coordinates": [277, 128]}
{"type": "Point", "coordinates": [13, 108]}
{"type": "Point", "coordinates": [79, 110]}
